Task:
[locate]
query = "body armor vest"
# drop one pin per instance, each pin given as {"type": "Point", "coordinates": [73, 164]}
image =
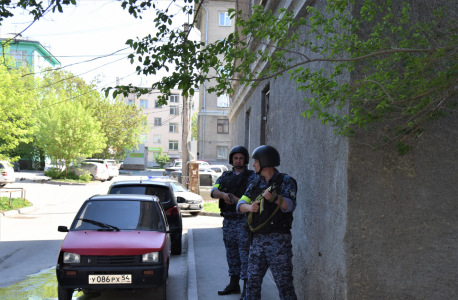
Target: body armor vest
{"type": "Point", "coordinates": [236, 185]}
{"type": "Point", "coordinates": [281, 222]}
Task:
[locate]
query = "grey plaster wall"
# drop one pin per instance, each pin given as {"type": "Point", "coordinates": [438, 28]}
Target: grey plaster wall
{"type": "Point", "coordinates": [402, 231]}
{"type": "Point", "coordinates": [368, 225]}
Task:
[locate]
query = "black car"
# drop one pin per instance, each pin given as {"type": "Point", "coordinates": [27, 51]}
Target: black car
{"type": "Point", "coordinates": [168, 200]}
{"type": "Point", "coordinates": [115, 242]}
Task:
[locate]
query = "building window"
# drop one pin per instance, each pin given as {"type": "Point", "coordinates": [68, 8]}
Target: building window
{"type": "Point", "coordinates": [224, 19]}
{"type": "Point", "coordinates": [173, 127]}
{"type": "Point", "coordinates": [156, 104]}
{"type": "Point", "coordinates": [173, 145]}
{"type": "Point", "coordinates": [222, 101]}
{"type": "Point", "coordinates": [174, 98]}
{"type": "Point", "coordinates": [157, 121]}
{"type": "Point", "coordinates": [130, 102]}
{"type": "Point", "coordinates": [221, 152]}
{"type": "Point", "coordinates": [157, 139]}
{"type": "Point", "coordinates": [20, 57]}
{"type": "Point", "coordinates": [144, 103]}
{"type": "Point", "coordinates": [223, 126]}
{"type": "Point", "coordinates": [174, 110]}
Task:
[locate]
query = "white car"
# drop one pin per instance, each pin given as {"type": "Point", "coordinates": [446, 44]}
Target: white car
{"type": "Point", "coordinates": [187, 201]}
{"type": "Point", "coordinates": [112, 166]}
{"type": "Point", "coordinates": [218, 169]}
{"type": "Point", "coordinates": [97, 170]}
{"type": "Point", "coordinates": [6, 173]}
{"type": "Point", "coordinates": [207, 179]}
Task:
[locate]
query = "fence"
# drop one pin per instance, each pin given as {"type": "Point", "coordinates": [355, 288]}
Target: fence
{"type": "Point", "coordinates": [12, 190]}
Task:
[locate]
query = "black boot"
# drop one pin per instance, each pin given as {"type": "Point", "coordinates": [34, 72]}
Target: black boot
{"type": "Point", "coordinates": [233, 287]}
{"type": "Point", "coordinates": [244, 290]}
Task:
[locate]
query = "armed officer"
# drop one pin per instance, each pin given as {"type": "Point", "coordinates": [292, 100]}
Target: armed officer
{"type": "Point", "coordinates": [270, 201]}
{"type": "Point", "coordinates": [229, 187]}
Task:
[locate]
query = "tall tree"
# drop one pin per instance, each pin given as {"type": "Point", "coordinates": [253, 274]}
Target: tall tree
{"type": "Point", "coordinates": [17, 102]}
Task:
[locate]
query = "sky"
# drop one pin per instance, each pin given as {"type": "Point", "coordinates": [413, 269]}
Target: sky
{"type": "Point", "coordinates": [93, 29]}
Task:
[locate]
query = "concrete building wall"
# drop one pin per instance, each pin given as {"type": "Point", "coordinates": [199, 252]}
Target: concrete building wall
{"type": "Point", "coordinates": [368, 225]}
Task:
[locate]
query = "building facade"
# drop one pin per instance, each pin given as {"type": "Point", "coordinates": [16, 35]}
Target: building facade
{"type": "Point", "coordinates": [368, 224]}
{"type": "Point", "coordinates": [165, 123]}
{"type": "Point", "coordinates": [214, 134]}
{"type": "Point", "coordinates": [30, 54]}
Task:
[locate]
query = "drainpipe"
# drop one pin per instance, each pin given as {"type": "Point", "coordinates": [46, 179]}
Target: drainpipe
{"type": "Point", "coordinates": [205, 85]}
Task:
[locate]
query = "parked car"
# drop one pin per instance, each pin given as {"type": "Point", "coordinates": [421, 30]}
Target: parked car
{"type": "Point", "coordinates": [169, 170]}
{"type": "Point", "coordinates": [179, 163]}
{"type": "Point", "coordinates": [97, 170]}
{"type": "Point", "coordinates": [112, 166]}
{"type": "Point", "coordinates": [187, 201]}
{"type": "Point", "coordinates": [219, 169]}
{"type": "Point", "coordinates": [6, 173]}
{"type": "Point", "coordinates": [115, 242]}
{"type": "Point", "coordinates": [168, 201]}
{"type": "Point", "coordinates": [207, 180]}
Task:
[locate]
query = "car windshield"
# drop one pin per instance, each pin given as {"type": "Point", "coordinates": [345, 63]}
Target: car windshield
{"type": "Point", "coordinates": [177, 187]}
{"type": "Point", "coordinates": [161, 192]}
{"type": "Point", "coordinates": [124, 215]}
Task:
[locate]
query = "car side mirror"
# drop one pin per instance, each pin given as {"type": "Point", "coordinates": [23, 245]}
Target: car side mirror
{"type": "Point", "coordinates": [62, 229]}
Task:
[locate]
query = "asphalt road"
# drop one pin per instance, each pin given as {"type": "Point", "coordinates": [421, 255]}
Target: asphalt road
{"type": "Point", "coordinates": [29, 243]}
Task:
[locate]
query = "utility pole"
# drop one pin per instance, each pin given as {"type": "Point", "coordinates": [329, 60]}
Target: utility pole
{"type": "Point", "coordinates": [184, 142]}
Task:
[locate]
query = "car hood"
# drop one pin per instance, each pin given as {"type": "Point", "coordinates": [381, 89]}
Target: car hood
{"type": "Point", "coordinates": [188, 195]}
{"type": "Point", "coordinates": [90, 242]}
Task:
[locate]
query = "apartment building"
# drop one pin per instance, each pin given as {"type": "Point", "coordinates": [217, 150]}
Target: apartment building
{"type": "Point", "coordinates": [166, 123]}
{"type": "Point", "coordinates": [214, 135]}
{"type": "Point", "coordinates": [31, 54]}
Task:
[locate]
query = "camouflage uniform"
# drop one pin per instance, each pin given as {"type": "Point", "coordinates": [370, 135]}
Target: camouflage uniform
{"type": "Point", "coordinates": [272, 250]}
{"type": "Point", "coordinates": [234, 235]}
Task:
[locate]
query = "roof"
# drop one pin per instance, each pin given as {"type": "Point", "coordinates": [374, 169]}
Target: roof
{"type": "Point", "coordinates": [41, 47]}
{"type": "Point", "coordinates": [125, 197]}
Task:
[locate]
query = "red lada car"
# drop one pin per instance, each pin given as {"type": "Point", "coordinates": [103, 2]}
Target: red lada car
{"type": "Point", "coordinates": [115, 242]}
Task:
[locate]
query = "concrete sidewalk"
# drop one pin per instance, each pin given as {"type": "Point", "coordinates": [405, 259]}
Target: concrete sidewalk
{"type": "Point", "coordinates": [208, 270]}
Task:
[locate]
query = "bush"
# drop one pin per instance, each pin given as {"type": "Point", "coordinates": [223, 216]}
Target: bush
{"type": "Point", "coordinates": [86, 176]}
{"type": "Point", "coordinates": [53, 173]}
{"type": "Point", "coordinates": [162, 160]}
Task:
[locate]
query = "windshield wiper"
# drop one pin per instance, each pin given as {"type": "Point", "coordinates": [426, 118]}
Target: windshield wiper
{"type": "Point", "coordinates": [100, 224]}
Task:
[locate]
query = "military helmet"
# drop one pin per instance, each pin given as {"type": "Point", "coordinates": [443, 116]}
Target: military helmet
{"type": "Point", "coordinates": [239, 149]}
{"type": "Point", "coordinates": [267, 156]}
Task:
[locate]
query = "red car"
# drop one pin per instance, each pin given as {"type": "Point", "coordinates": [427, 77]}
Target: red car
{"type": "Point", "coordinates": [115, 242]}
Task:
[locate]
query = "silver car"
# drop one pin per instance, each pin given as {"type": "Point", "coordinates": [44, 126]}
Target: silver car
{"type": "Point", "coordinates": [98, 171]}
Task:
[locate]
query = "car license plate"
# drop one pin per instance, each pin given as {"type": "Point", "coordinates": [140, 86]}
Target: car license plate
{"type": "Point", "coordinates": [110, 279]}
{"type": "Point", "coordinates": [194, 206]}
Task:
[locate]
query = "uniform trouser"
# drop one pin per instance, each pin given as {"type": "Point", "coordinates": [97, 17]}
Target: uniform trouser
{"type": "Point", "coordinates": [274, 250]}
{"type": "Point", "coordinates": [236, 242]}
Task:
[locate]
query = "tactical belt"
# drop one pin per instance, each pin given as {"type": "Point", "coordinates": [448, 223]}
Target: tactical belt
{"type": "Point", "coordinates": [234, 217]}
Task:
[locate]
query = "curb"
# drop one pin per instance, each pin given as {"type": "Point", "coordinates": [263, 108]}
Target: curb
{"type": "Point", "coordinates": [192, 275]}
{"type": "Point", "coordinates": [49, 181]}
{"type": "Point", "coordinates": [18, 211]}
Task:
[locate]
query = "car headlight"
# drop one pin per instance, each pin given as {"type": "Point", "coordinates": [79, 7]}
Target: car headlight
{"type": "Point", "coordinates": [71, 258]}
{"type": "Point", "coordinates": [150, 257]}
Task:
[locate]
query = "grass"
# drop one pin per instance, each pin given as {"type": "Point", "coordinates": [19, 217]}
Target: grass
{"type": "Point", "coordinates": [16, 203]}
{"type": "Point", "coordinates": [211, 207]}
{"type": "Point", "coordinates": [70, 180]}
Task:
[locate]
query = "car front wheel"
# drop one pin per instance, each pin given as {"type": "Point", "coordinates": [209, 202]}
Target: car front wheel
{"type": "Point", "coordinates": [65, 294]}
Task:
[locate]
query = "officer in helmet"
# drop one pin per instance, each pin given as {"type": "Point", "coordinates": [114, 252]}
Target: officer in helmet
{"type": "Point", "coordinates": [229, 187]}
{"type": "Point", "coordinates": [269, 200]}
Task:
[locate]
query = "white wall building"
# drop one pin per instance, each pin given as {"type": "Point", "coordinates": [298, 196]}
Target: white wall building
{"type": "Point", "coordinates": [166, 123]}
